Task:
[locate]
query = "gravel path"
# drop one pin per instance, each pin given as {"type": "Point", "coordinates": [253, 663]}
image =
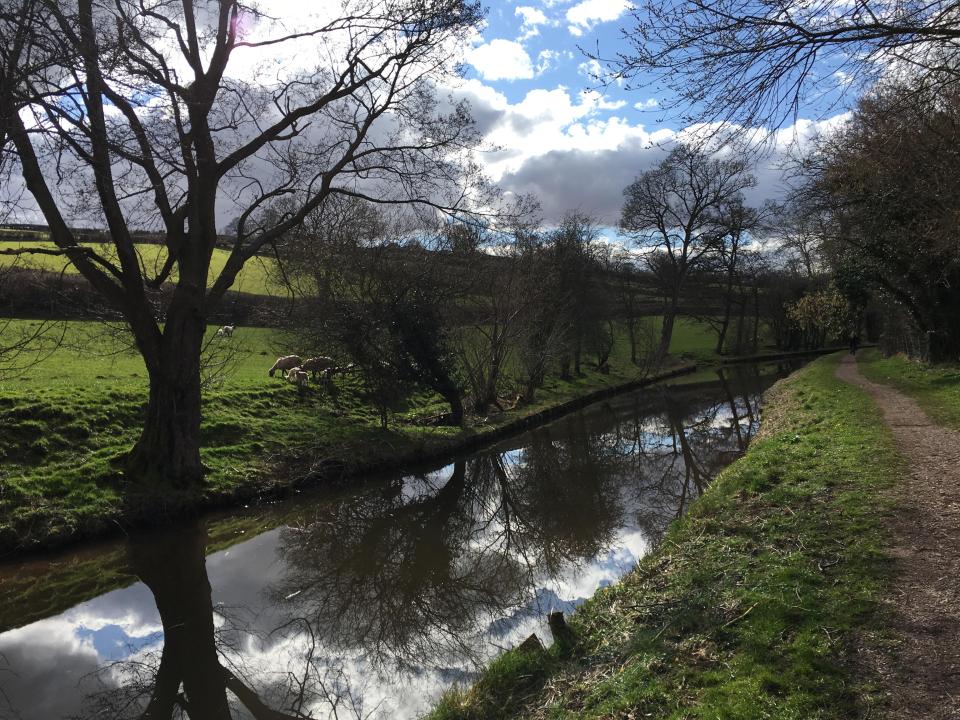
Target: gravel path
{"type": "Point", "coordinates": [922, 675]}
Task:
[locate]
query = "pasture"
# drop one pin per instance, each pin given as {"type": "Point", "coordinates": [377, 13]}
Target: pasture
{"type": "Point", "coordinates": [257, 276]}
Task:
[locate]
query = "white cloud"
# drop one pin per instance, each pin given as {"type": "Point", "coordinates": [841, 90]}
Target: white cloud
{"type": "Point", "coordinates": [531, 20]}
{"type": "Point", "coordinates": [573, 150]}
{"type": "Point", "coordinates": [531, 15]}
{"type": "Point", "coordinates": [591, 69]}
{"type": "Point", "coordinates": [501, 60]}
{"type": "Point", "coordinates": [546, 60]}
{"type": "Point", "coordinates": [545, 121]}
{"type": "Point", "coordinates": [584, 15]}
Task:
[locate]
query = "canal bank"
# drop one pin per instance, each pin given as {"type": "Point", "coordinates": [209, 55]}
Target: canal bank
{"type": "Point", "coordinates": [754, 605]}
{"type": "Point", "coordinates": [394, 588]}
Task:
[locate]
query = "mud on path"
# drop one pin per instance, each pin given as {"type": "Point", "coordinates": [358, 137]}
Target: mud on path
{"type": "Point", "coordinates": [922, 674]}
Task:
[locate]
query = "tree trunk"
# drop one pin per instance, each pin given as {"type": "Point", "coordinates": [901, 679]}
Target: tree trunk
{"type": "Point", "coordinates": [173, 566]}
{"type": "Point", "coordinates": [168, 451]}
{"type": "Point", "coordinates": [728, 306]}
{"type": "Point", "coordinates": [666, 331]}
{"type": "Point", "coordinates": [632, 334]}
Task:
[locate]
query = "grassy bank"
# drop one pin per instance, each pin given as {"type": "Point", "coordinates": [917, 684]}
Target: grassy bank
{"type": "Point", "coordinates": [69, 420]}
{"type": "Point", "coordinates": [753, 605]}
{"type": "Point", "coordinates": [935, 387]}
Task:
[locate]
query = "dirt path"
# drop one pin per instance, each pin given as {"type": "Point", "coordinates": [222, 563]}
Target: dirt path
{"type": "Point", "coordinates": [923, 674]}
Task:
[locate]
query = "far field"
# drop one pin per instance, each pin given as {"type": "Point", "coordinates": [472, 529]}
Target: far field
{"type": "Point", "coordinates": [69, 418]}
{"type": "Point", "coordinates": [257, 276]}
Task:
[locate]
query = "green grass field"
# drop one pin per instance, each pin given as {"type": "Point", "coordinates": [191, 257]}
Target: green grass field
{"type": "Point", "coordinates": [256, 276]}
{"type": "Point", "coordinates": [72, 415]}
{"type": "Point", "coordinates": [756, 603]}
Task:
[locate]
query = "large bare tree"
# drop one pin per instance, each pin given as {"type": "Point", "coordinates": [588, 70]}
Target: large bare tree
{"type": "Point", "coordinates": [164, 114]}
{"type": "Point", "coordinates": [673, 212]}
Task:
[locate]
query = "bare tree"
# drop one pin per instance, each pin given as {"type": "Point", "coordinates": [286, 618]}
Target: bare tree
{"type": "Point", "coordinates": [673, 212]}
{"type": "Point", "coordinates": [376, 286]}
{"type": "Point", "coordinates": [753, 63]}
{"type": "Point", "coordinates": [800, 230]}
{"type": "Point", "coordinates": [487, 342]}
{"type": "Point", "coordinates": [732, 263]}
{"type": "Point", "coordinates": [139, 102]}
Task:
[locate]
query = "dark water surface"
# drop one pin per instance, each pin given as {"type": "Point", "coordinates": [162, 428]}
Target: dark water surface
{"type": "Point", "coordinates": [371, 602]}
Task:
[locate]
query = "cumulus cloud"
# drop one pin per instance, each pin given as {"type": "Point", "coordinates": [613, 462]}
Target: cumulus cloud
{"type": "Point", "coordinates": [574, 150]}
{"type": "Point", "coordinates": [531, 19]}
{"type": "Point", "coordinates": [546, 59]}
{"type": "Point", "coordinates": [587, 13]}
{"type": "Point", "coordinates": [501, 59]}
{"type": "Point", "coordinates": [591, 69]}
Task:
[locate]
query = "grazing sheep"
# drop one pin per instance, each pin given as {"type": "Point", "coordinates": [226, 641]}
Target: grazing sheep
{"type": "Point", "coordinates": [285, 363]}
{"type": "Point", "coordinates": [317, 365]}
{"type": "Point", "coordinates": [299, 377]}
{"type": "Point", "coordinates": [226, 331]}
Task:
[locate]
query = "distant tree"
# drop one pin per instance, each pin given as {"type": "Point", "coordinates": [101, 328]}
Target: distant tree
{"type": "Point", "coordinates": [736, 221]}
{"type": "Point", "coordinates": [487, 341]}
{"type": "Point", "coordinates": [137, 115]}
{"type": "Point", "coordinates": [542, 336]}
{"type": "Point", "coordinates": [573, 269]}
{"type": "Point", "coordinates": [674, 212]}
{"type": "Point", "coordinates": [753, 63]}
{"type": "Point", "coordinates": [629, 299]}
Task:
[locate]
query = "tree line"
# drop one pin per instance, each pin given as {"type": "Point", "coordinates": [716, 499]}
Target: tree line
{"type": "Point", "coordinates": [874, 206]}
{"type": "Point", "coordinates": [483, 316]}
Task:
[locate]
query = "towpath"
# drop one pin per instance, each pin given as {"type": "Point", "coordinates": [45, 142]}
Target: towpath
{"type": "Point", "coordinates": [922, 674]}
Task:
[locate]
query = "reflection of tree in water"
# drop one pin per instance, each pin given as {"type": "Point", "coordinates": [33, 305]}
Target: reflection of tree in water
{"type": "Point", "coordinates": [189, 677]}
{"type": "Point", "coordinates": [412, 574]}
{"type": "Point", "coordinates": [679, 452]}
{"type": "Point", "coordinates": [396, 578]}
{"type": "Point", "coordinates": [407, 581]}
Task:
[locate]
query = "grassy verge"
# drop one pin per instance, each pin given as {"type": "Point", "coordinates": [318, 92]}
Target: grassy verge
{"type": "Point", "coordinates": [753, 605]}
{"type": "Point", "coordinates": [69, 420]}
{"type": "Point", "coordinates": [935, 387]}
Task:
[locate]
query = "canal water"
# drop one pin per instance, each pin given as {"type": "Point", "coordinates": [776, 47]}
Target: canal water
{"type": "Point", "coordinates": [368, 602]}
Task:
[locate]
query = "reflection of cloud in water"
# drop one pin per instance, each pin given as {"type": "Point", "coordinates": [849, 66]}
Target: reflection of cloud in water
{"type": "Point", "coordinates": [471, 556]}
{"type": "Point", "coordinates": [51, 660]}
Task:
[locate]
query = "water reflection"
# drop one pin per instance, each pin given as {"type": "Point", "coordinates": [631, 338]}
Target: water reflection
{"type": "Point", "coordinates": [371, 604]}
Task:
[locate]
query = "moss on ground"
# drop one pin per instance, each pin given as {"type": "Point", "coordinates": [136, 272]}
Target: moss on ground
{"type": "Point", "coordinates": [754, 604]}
{"type": "Point", "coordinates": [935, 387]}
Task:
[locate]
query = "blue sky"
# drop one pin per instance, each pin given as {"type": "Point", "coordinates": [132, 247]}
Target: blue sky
{"type": "Point", "coordinates": [553, 36]}
{"type": "Point", "coordinates": [555, 131]}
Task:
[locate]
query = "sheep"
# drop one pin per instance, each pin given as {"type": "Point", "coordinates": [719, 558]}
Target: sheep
{"type": "Point", "coordinates": [285, 363]}
{"type": "Point", "coordinates": [317, 365]}
{"type": "Point", "coordinates": [299, 377]}
{"type": "Point", "coordinates": [226, 331]}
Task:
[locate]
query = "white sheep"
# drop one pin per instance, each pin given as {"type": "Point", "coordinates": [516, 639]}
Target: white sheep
{"type": "Point", "coordinates": [285, 363]}
{"type": "Point", "coordinates": [318, 365]}
{"type": "Point", "coordinates": [299, 377]}
{"type": "Point", "coordinates": [226, 331]}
